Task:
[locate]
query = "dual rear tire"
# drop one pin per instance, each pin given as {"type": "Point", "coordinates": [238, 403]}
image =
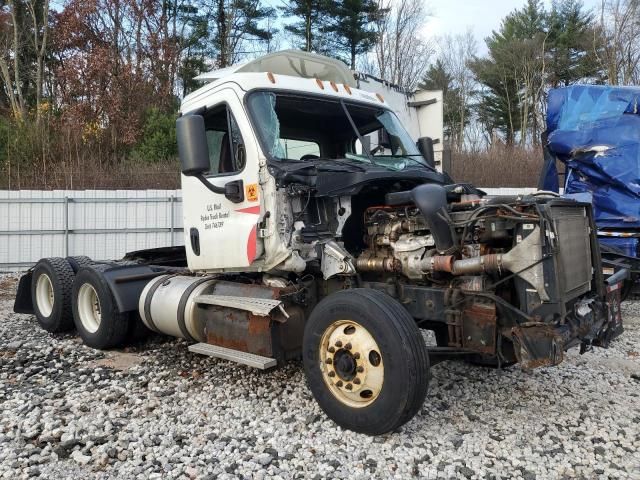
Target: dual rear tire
{"type": "Point", "coordinates": [51, 286]}
{"type": "Point", "coordinates": [96, 316]}
{"type": "Point", "coordinates": [72, 292]}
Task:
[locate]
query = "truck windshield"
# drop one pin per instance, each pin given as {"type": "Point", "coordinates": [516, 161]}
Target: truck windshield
{"type": "Point", "coordinates": [328, 129]}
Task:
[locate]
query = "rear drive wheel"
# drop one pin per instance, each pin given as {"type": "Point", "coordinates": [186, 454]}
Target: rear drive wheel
{"type": "Point", "coordinates": [79, 261]}
{"type": "Point", "coordinates": [51, 285]}
{"type": "Point", "coordinates": [365, 360]}
{"type": "Point", "coordinates": [95, 313]}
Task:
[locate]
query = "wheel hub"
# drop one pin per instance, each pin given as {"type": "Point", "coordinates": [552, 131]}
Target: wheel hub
{"type": "Point", "coordinates": [89, 309]}
{"type": "Point", "coordinates": [351, 363]}
{"type": "Point", "coordinates": [345, 365]}
{"type": "Point", "coordinates": [45, 298]}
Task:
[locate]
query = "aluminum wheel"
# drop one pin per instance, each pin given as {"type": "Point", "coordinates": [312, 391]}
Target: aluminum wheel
{"type": "Point", "coordinates": [351, 363]}
{"type": "Point", "coordinates": [89, 308]}
{"type": "Point", "coordinates": [44, 295]}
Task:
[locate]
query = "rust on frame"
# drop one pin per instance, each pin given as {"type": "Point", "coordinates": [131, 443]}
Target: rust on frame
{"type": "Point", "coordinates": [479, 327]}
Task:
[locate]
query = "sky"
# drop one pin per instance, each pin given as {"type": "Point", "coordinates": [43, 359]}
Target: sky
{"type": "Point", "coordinates": [482, 16]}
{"type": "Point", "coordinates": [457, 16]}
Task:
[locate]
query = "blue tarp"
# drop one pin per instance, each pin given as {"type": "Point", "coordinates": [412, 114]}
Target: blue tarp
{"type": "Point", "coordinates": [595, 131]}
{"type": "Point", "coordinates": [628, 246]}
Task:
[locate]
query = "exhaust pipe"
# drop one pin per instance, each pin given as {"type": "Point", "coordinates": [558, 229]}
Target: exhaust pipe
{"type": "Point", "coordinates": [523, 258]}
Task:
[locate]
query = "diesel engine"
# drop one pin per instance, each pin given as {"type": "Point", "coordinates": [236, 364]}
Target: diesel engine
{"type": "Point", "coordinates": [503, 279]}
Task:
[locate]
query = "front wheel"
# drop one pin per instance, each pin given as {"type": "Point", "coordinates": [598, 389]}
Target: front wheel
{"type": "Point", "coordinates": [365, 360]}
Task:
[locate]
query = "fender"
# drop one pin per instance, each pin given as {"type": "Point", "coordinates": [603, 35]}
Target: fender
{"type": "Point", "coordinates": [127, 282]}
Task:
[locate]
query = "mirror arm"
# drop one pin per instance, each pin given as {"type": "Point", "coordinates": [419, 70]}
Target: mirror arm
{"type": "Point", "coordinates": [233, 190]}
{"type": "Point", "coordinates": [209, 185]}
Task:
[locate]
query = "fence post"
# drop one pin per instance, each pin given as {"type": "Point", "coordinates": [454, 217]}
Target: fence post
{"type": "Point", "coordinates": [66, 226]}
{"type": "Point", "coordinates": [171, 204]}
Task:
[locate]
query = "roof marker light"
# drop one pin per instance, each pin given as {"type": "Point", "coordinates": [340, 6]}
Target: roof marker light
{"type": "Point", "coordinates": [380, 97]}
{"type": "Point", "coordinates": [271, 78]}
{"type": "Point", "coordinates": [333, 85]}
{"type": "Point", "coordinates": [346, 87]}
{"type": "Point", "coordinates": [319, 82]}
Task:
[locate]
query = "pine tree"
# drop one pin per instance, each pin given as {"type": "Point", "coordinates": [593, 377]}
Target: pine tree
{"type": "Point", "coordinates": [438, 78]}
{"type": "Point", "coordinates": [312, 23]}
{"type": "Point", "coordinates": [353, 27]}
{"type": "Point", "coordinates": [235, 24]}
{"type": "Point", "coordinates": [571, 44]}
{"type": "Point", "coordinates": [195, 46]}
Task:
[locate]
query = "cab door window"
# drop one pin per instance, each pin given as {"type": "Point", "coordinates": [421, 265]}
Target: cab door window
{"type": "Point", "coordinates": [227, 153]}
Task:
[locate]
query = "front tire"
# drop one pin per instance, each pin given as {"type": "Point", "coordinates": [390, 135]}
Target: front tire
{"type": "Point", "coordinates": [97, 319]}
{"type": "Point", "coordinates": [365, 360]}
{"type": "Point", "coordinates": [51, 285]}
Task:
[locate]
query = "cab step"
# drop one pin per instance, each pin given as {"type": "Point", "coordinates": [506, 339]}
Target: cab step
{"type": "Point", "coordinates": [249, 359]}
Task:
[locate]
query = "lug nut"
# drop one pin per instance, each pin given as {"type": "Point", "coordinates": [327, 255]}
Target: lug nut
{"type": "Point", "coordinates": [332, 374]}
{"type": "Point", "coordinates": [360, 369]}
{"type": "Point", "coordinates": [338, 344]}
{"type": "Point", "coordinates": [348, 386]}
{"type": "Point", "coordinates": [332, 350]}
{"type": "Point", "coordinates": [339, 383]}
{"type": "Point", "coordinates": [356, 355]}
{"type": "Point", "coordinates": [356, 381]}
{"type": "Point", "coordinates": [328, 361]}
{"type": "Point", "coordinates": [348, 346]}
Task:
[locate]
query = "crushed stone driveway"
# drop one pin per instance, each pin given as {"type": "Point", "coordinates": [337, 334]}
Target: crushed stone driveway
{"type": "Point", "coordinates": [154, 410]}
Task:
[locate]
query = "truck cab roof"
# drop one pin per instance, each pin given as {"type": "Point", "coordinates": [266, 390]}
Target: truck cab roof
{"type": "Point", "coordinates": [289, 70]}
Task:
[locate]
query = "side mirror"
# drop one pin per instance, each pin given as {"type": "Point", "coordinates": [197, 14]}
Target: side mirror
{"type": "Point", "coordinates": [192, 145]}
{"type": "Point", "coordinates": [425, 145]}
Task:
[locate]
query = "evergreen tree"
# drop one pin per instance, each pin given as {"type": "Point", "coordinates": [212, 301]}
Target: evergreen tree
{"type": "Point", "coordinates": [438, 78]}
{"type": "Point", "coordinates": [195, 45]}
{"type": "Point", "coordinates": [235, 24]}
{"type": "Point", "coordinates": [312, 23]}
{"type": "Point", "coordinates": [499, 105]}
{"type": "Point", "coordinates": [353, 27]}
{"type": "Point", "coordinates": [571, 44]}
{"type": "Point", "coordinates": [533, 50]}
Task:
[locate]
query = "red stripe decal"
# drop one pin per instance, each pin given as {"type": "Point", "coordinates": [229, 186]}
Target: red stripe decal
{"type": "Point", "coordinates": [251, 244]}
{"type": "Point", "coordinates": [254, 210]}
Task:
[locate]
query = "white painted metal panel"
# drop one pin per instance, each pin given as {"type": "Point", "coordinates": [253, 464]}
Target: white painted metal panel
{"type": "Point", "coordinates": [103, 224]}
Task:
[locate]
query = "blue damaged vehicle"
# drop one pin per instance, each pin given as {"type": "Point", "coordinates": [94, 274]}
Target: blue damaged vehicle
{"type": "Point", "coordinates": [594, 131]}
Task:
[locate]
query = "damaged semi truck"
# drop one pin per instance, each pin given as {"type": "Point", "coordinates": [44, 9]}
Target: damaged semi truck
{"type": "Point", "coordinates": [316, 227]}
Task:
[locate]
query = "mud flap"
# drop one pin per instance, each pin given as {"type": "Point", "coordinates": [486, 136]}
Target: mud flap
{"type": "Point", "coordinates": [614, 316]}
{"type": "Point", "coordinates": [537, 345]}
{"type": "Point", "coordinates": [24, 302]}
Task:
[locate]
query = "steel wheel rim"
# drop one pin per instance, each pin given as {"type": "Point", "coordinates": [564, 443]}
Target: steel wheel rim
{"type": "Point", "coordinates": [44, 295]}
{"type": "Point", "coordinates": [89, 309]}
{"type": "Point", "coordinates": [351, 363]}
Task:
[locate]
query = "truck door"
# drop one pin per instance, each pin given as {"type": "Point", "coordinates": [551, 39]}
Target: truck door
{"type": "Point", "coordinates": [221, 231]}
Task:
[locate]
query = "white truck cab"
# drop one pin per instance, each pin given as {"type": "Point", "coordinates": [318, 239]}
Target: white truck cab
{"type": "Point", "coordinates": [288, 108]}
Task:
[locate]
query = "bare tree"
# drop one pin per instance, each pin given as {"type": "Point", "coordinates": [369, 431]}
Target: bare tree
{"type": "Point", "coordinates": [456, 52]}
{"type": "Point", "coordinates": [11, 47]}
{"type": "Point", "coordinates": [40, 19]}
{"type": "Point", "coordinates": [619, 37]}
{"type": "Point", "coordinates": [402, 54]}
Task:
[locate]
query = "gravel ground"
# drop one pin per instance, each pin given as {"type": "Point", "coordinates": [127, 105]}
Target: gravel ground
{"type": "Point", "coordinates": [158, 411]}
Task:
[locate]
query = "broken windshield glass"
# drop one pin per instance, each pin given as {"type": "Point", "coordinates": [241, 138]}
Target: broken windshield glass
{"type": "Point", "coordinates": [339, 131]}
